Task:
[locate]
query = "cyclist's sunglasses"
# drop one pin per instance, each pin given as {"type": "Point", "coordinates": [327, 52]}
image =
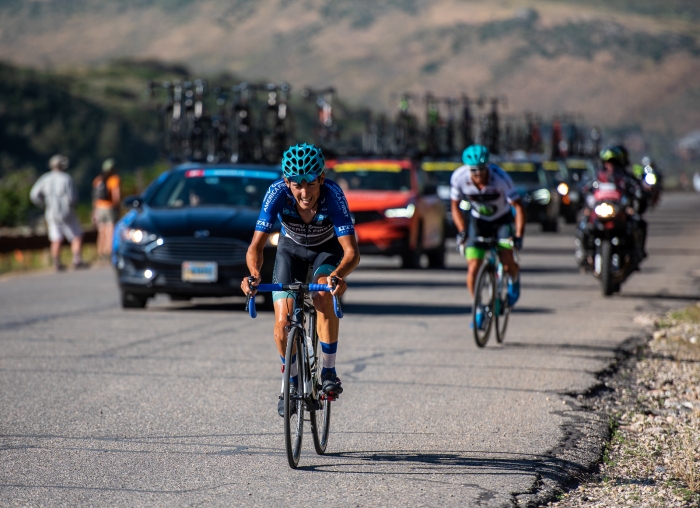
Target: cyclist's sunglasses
{"type": "Point", "coordinates": [297, 179]}
{"type": "Point", "coordinates": [478, 169]}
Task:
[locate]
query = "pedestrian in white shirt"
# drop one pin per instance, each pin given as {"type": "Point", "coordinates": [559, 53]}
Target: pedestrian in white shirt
{"type": "Point", "coordinates": [54, 191]}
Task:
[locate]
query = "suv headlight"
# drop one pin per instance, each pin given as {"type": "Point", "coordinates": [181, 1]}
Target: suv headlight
{"type": "Point", "coordinates": [404, 213]}
{"type": "Point", "coordinates": [137, 236]}
{"type": "Point", "coordinates": [542, 196]}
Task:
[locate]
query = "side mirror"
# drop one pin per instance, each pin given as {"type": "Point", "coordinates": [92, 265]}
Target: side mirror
{"type": "Point", "coordinates": [132, 202]}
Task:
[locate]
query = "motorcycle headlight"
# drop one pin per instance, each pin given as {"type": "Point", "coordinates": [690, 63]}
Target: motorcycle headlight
{"type": "Point", "coordinates": [604, 210]}
{"type": "Point", "coordinates": [563, 189]}
{"type": "Point", "coordinates": [404, 213]}
{"type": "Point", "coordinates": [650, 179]}
{"type": "Point", "coordinates": [274, 239]}
{"type": "Point", "coordinates": [542, 196]}
{"type": "Point", "coordinates": [137, 236]}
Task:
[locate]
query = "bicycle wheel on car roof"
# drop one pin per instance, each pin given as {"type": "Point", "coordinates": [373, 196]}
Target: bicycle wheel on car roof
{"type": "Point", "coordinates": [293, 400]}
{"type": "Point", "coordinates": [483, 307]}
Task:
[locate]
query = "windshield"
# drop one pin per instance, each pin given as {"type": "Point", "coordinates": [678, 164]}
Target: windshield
{"type": "Point", "coordinates": [213, 187]}
{"type": "Point", "coordinates": [523, 173]}
{"type": "Point", "coordinates": [369, 176]}
{"type": "Point", "coordinates": [440, 172]}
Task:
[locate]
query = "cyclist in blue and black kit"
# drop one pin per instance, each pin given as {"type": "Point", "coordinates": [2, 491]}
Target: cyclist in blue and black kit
{"type": "Point", "coordinates": [491, 194]}
{"type": "Point", "coordinates": [317, 234]}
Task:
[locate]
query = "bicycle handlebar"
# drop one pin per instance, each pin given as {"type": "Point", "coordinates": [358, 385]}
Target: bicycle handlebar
{"type": "Point", "coordinates": [267, 288]}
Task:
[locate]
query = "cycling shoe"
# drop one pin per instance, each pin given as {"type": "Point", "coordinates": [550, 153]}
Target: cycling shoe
{"type": "Point", "coordinates": [479, 320]}
{"type": "Point", "coordinates": [331, 384]}
{"type": "Point", "coordinates": [292, 404]}
{"type": "Point", "coordinates": [513, 291]}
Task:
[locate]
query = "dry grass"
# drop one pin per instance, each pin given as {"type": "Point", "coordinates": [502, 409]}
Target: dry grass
{"type": "Point", "coordinates": [685, 465]}
{"type": "Point", "coordinates": [29, 260]}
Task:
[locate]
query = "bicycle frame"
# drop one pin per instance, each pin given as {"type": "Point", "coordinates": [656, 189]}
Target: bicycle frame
{"type": "Point", "coordinates": [297, 320]}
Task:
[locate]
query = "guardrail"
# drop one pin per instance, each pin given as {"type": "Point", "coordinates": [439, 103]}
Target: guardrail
{"type": "Point", "coordinates": [37, 242]}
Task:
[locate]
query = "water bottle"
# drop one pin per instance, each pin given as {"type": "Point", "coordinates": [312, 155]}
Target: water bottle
{"type": "Point", "coordinates": [312, 362]}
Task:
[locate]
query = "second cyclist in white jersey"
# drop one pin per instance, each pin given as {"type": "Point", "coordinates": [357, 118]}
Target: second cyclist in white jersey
{"type": "Point", "coordinates": [492, 198]}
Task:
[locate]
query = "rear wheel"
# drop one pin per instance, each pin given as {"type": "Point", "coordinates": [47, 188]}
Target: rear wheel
{"type": "Point", "coordinates": [321, 413]}
{"type": "Point", "coordinates": [133, 301]}
{"type": "Point", "coordinates": [484, 298]}
{"type": "Point", "coordinates": [293, 420]}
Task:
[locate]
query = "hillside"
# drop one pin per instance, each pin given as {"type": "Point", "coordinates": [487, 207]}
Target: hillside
{"type": "Point", "coordinates": [623, 62]}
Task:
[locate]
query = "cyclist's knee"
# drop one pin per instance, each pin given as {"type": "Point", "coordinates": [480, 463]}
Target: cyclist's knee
{"type": "Point", "coordinates": [323, 300]}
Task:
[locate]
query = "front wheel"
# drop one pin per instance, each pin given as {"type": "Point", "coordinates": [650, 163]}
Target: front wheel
{"type": "Point", "coordinates": [484, 299]}
{"type": "Point", "coordinates": [293, 400]}
{"type": "Point", "coordinates": [606, 269]}
{"type": "Point", "coordinates": [503, 309]}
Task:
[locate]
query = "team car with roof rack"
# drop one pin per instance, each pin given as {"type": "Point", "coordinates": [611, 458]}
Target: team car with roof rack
{"type": "Point", "coordinates": [396, 210]}
{"type": "Point", "coordinates": [537, 191]}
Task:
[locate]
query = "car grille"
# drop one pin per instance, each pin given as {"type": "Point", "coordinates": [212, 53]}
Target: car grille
{"type": "Point", "coordinates": [224, 251]}
{"type": "Point", "coordinates": [362, 217]}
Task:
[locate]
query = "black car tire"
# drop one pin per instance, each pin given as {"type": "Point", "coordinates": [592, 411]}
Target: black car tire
{"type": "Point", "coordinates": [411, 257]}
{"type": "Point", "coordinates": [132, 301]}
{"type": "Point", "coordinates": [570, 217]}
{"type": "Point", "coordinates": [436, 257]}
{"type": "Point", "coordinates": [550, 226]}
{"type": "Point", "coordinates": [180, 298]}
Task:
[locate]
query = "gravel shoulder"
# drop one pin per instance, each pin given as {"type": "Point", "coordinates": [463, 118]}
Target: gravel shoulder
{"type": "Point", "coordinates": [651, 401]}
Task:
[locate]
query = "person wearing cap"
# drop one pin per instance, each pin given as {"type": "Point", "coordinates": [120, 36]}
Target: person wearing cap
{"type": "Point", "coordinates": [54, 191]}
{"type": "Point", "coordinates": [106, 198]}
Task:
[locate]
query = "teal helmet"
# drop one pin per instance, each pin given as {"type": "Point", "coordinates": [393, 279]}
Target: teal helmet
{"type": "Point", "coordinates": [475, 155]}
{"type": "Point", "coordinates": [302, 160]}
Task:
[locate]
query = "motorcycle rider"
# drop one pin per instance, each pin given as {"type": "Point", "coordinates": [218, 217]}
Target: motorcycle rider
{"type": "Point", "coordinates": [615, 160]}
{"type": "Point", "coordinates": [650, 179]}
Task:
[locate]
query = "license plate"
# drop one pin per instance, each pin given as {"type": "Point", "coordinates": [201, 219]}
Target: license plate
{"type": "Point", "coordinates": [195, 271]}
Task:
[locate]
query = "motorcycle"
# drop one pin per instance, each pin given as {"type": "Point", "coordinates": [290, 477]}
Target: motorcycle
{"type": "Point", "coordinates": [608, 237]}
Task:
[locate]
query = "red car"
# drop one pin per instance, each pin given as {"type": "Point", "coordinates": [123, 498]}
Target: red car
{"type": "Point", "coordinates": [395, 210]}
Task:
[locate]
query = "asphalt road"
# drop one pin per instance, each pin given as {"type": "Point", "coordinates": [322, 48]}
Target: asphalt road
{"type": "Point", "coordinates": [177, 405]}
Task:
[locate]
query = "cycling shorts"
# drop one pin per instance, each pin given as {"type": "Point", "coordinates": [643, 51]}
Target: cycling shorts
{"type": "Point", "coordinates": [501, 229]}
{"type": "Point", "coordinates": [294, 262]}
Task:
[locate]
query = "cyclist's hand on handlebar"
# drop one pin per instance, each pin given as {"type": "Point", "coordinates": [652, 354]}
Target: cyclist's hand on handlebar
{"type": "Point", "coordinates": [246, 284]}
{"type": "Point", "coordinates": [461, 237]}
{"type": "Point", "coordinates": [339, 283]}
{"type": "Point", "coordinates": [518, 243]}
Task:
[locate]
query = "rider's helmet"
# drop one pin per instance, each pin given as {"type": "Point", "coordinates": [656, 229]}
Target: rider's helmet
{"type": "Point", "coordinates": [302, 162]}
{"type": "Point", "coordinates": [616, 154]}
{"type": "Point", "coordinates": [475, 155]}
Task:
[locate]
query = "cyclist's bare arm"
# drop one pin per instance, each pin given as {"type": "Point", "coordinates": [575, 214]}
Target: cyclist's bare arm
{"type": "Point", "coordinates": [457, 216]}
{"type": "Point", "coordinates": [351, 258]}
{"type": "Point", "coordinates": [519, 217]}
{"type": "Point", "coordinates": [254, 258]}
